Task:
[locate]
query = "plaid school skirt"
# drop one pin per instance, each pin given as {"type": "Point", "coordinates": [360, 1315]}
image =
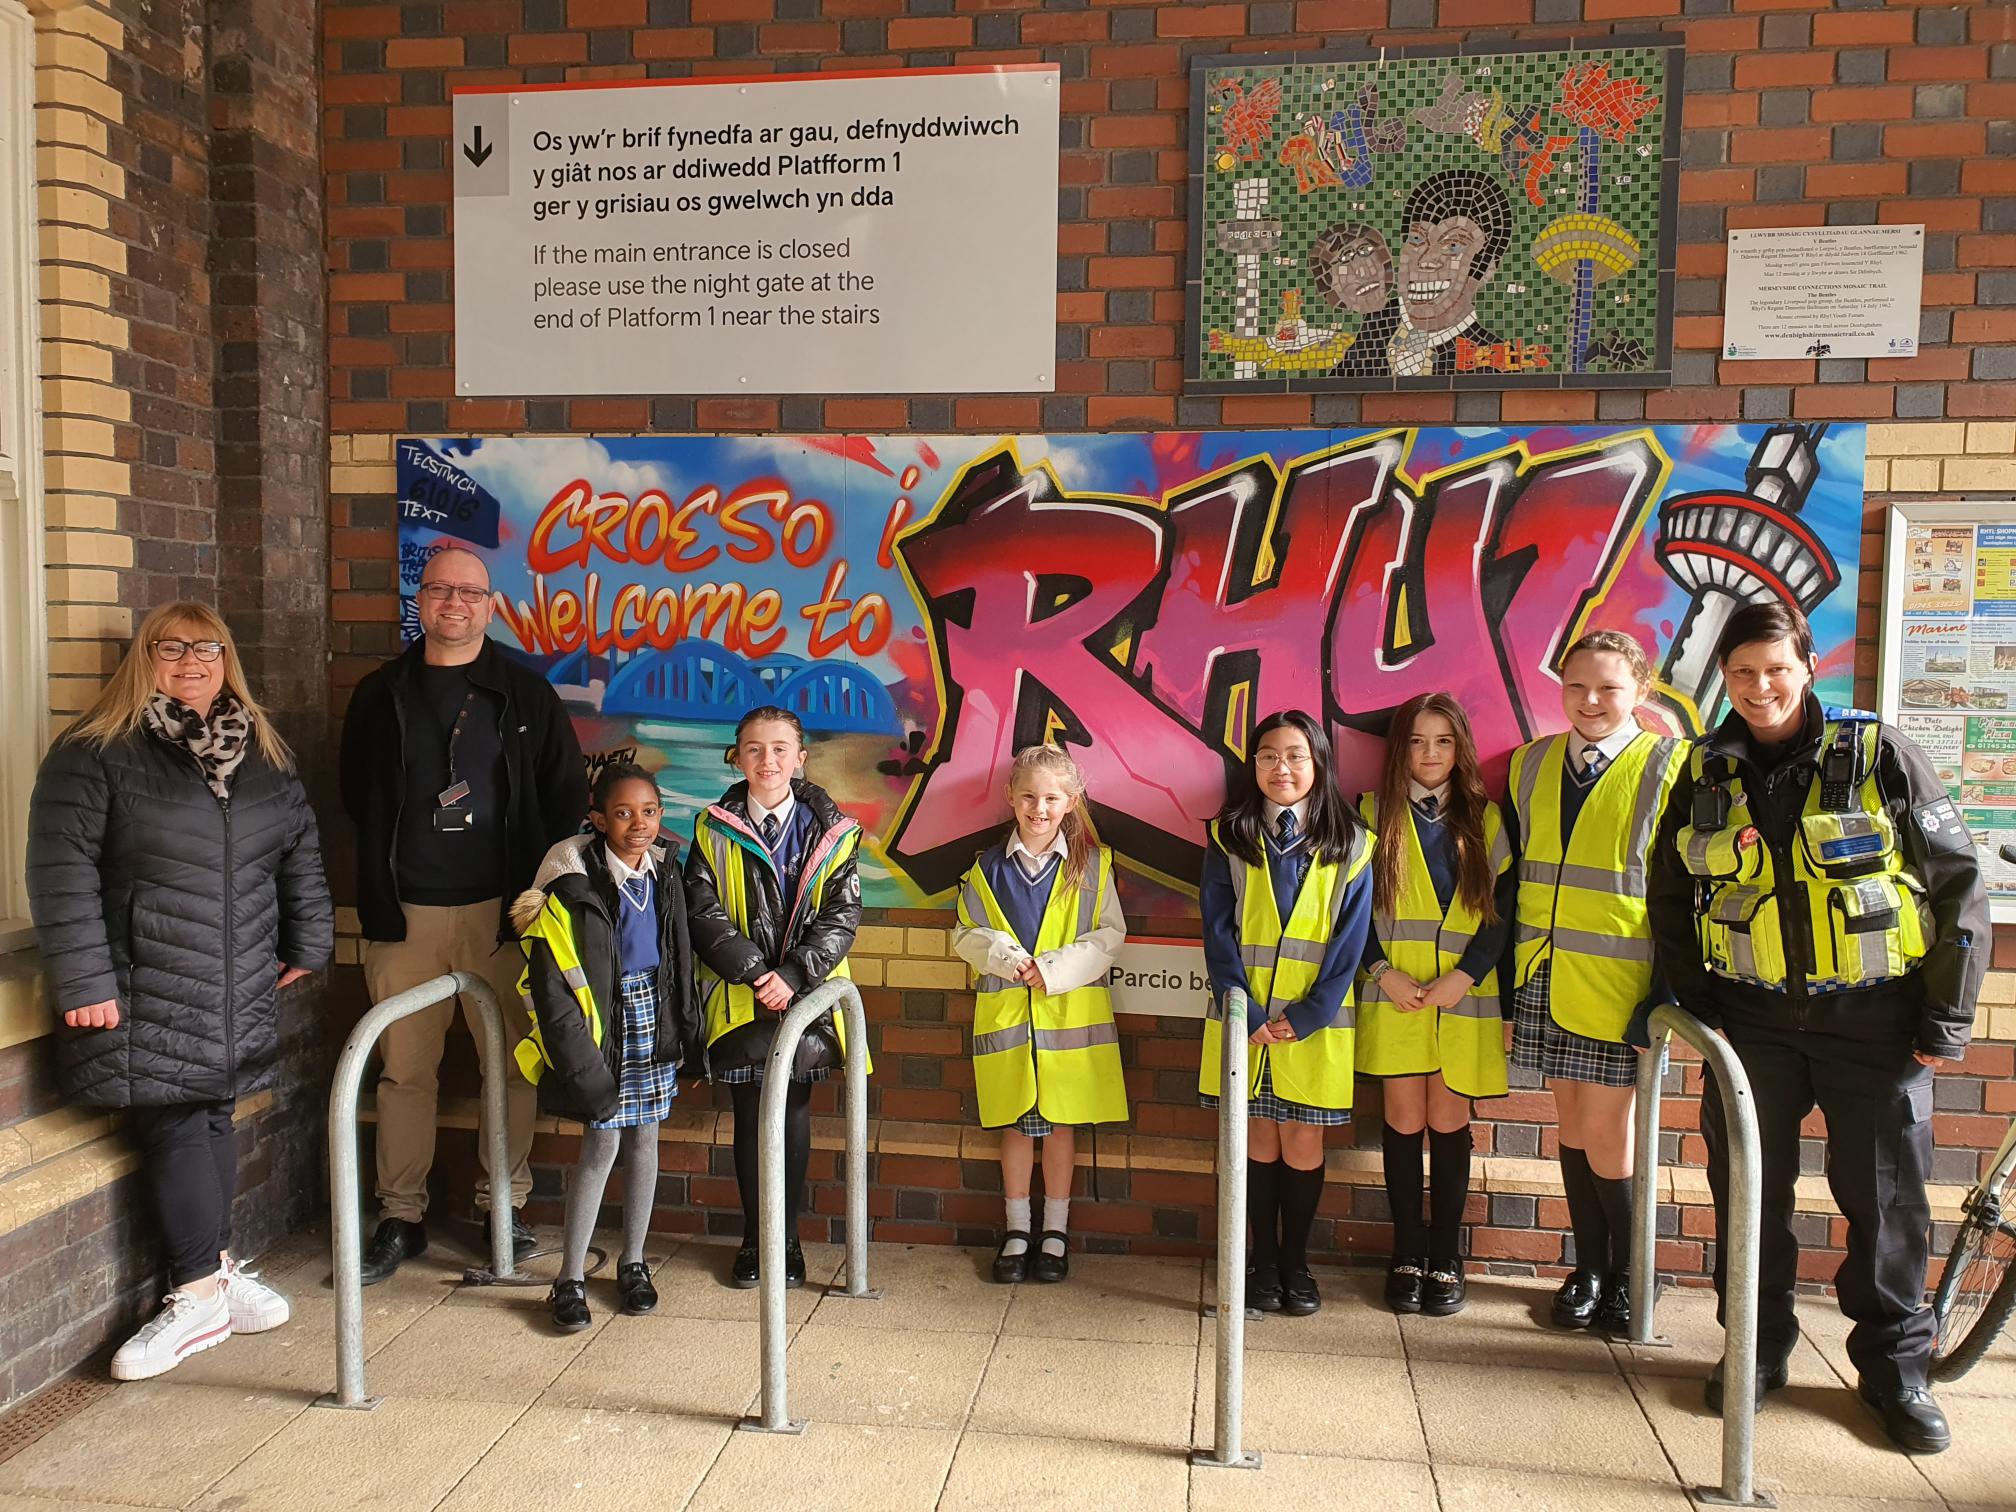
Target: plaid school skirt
{"type": "Point", "coordinates": [1263, 1102]}
{"type": "Point", "coordinates": [644, 1087]}
{"type": "Point", "coordinates": [1540, 1044]}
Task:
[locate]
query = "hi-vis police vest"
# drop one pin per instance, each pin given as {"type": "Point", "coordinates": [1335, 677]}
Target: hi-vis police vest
{"type": "Point", "coordinates": [1582, 895]}
{"type": "Point", "coordinates": [1465, 1043]}
{"type": "Point", "coordinates": [1861, 909]}
{"type": "Point", "coordinates": [1282, 964]}
{"type": "Point", "coordinates": [730, 849]}
{"type": "Point", "coordinates": [1056, 1052]}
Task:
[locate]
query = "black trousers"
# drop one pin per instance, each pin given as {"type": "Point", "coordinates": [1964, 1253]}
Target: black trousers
{"type": "Point", "coordinates": [1878, 1105]}
{"type": "Point", "coordinates": [191, 1154]}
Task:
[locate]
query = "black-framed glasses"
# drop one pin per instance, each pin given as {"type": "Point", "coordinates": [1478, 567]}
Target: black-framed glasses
{"type": "Point", "coordinates": [440, 593]}
{"type": "Point", "coordinates": [175, 650]}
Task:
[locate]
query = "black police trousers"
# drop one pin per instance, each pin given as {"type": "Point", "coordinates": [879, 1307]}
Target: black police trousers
{"type": "Point", "coordinates": [1878, 1104]}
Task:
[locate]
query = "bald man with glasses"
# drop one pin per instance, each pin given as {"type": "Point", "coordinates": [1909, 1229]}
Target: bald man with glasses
{"type": "Point", "coordinates": [459, 768]}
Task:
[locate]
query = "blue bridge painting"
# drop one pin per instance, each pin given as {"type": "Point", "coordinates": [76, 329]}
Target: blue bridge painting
{"type": "Point", "coordinates": [697, 682]}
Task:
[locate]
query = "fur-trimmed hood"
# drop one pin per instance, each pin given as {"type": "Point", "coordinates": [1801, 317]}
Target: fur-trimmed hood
{"type": "Point", "coordinates": [569, 858]}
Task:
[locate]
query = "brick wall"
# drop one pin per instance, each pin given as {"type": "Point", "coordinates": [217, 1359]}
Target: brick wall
{"type": "Point", "coordinates": [1795, 115]}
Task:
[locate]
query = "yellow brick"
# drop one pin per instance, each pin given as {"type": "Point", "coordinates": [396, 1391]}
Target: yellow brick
{"type": "Point", "coordinates": [371, 448]}
{"type": "Point", "coordinates": [1875, 476]}
{"type": "Point", "coordinates": [1929, 440]}
{"type": "Point", "coordinates": [354, 479]}
{"type": "Point", "coordinates": [24, 1013]}
{"type": "Point", "coordinates": [878, 939]}
{"type": "Point", "coordinates": [867, 970]}
{"type": "Point", "coordinates": [90, 475]}
{"type": "Point", "coordinates": [88, 438]}
{"type": "Point", "coordinates": [1914, 475]}
{"type": "Point", "coordinates": [339, 449]}
{"type": "Point", "coordinates": [88, 548]}
{"type": "Point", "coordinates": [67, 396]}
{"type": "Point", "coordinates": [896, 1137]}
{"type": "Point", "coordinates": [65, 205]}
{"type": "Point", "coordinates": [2002, 1024]}
{"type": "Point", "coordinates": [349, 952]}
{"type": "Point", "coordinates": [347, 922]}
{"type": "Point", "coordinates": [1352, 1167]}
{"type": "Point", "coordinates": [55, 49]}
{"type": "Point", "coordinates": [81, 511]}
{"type": "Point", "coordinates": [1981, 474]}
{"type": "Point", "coordinates": [79, 243]}
{"type": "Point", "coordinates": [73, 359]}
{"type": "Point", "coordinates": [68, 322]}
{"type": "Point", "coordinates": [1995, 437]}
{"type": "Point", "coordinates": [1145, 1154]}
{"type": "Point", "coordinates": [89, 622]}
{"type": "Point", "coordinates": [979, 1144]}
{"type": "Point", "coordinates": [81, 168]}
{"type": "Point", "coordinates": [945, 976]}
{"type": "Point", "coordinates": [1999, 987]}
{"type": "Point", "coordinates": [83, 657]}
{"type": "Point", "coordinates": [1513, 1175]}
{"type": "Point", "coordinates": [65, 283]}
{"type": "Point", "coordinates": [71, 695]}
{"type": "Point", "coordinates": [82, 585]}
{"type": "Point", "coordinates": [85, 21]}
{"type": "Point", "coordinates": [71, 127]}
{"type": "Point", "coordinates": [929, 942]}
{"type": "Point", "coordinates": [65, 86]}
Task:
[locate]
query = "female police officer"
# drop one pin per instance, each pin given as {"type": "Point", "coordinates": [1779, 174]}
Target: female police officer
{"type": "Point", "coordinates": [1816, 896]}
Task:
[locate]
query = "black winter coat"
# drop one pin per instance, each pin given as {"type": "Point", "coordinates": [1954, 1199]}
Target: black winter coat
{"type": "Point", "coordinates": [149, 891]}
{"type": "Point", "coordinates": [818, 944]}
{"type": "Point", "coordinates": [547, 782]}
{"type": "Point", "coordinates": [581, 1081]}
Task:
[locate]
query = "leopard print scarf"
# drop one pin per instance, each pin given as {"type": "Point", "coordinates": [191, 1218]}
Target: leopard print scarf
{"type": "Point", "coordinates": [218, 743]}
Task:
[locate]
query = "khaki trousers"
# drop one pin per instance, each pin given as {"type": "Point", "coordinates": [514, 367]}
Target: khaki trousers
{"type": "Point", "coordinates": [438, 941]}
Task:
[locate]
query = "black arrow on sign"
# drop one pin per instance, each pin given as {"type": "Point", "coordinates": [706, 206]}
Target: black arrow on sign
{"type": "Point", "coordinates": [476, 152]}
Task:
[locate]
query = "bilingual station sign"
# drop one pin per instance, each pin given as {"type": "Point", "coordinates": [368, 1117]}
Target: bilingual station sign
{"type": "Point", "coordinates": [832, 233]}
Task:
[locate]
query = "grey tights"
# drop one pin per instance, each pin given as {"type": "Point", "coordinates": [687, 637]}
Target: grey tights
{"type": "Point", "coordinates": [591, 1178]}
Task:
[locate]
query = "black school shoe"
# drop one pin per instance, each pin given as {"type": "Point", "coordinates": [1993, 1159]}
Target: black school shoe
{"type": "Point", "coordinates": [1769, 1378]}
{"type": "Point", "coordinates": [634, 1289]}
{"type": "Point", "coordinates": [396, 1242]}
{"type": "Point", "coordinates": [1049, 1267]}
{"type": "Point", "coordinates": [1576, 1302]}
{"type": "Point", "coordinates": [1613, 1313]}
{"type": "Point", "coordinates": [569, 1302]}
{"type": "Point", "coordinates": [1443, 1290]}
{"type": "Point", "coordinates": [1910, 1416]}
{"type": "Point", "coordinates": [1263, 1287]}
{"type": "Point", "coordinates": [1010, 1270]}
{"type": "Point", "coordinates": [745, 1272]}
{"type": "Point", "coordinates": [1404, 1280]}
{"type": "Point", "coordinates": [1299, 1297]}
{"type": "Point", "coordinates": [794, 1265]}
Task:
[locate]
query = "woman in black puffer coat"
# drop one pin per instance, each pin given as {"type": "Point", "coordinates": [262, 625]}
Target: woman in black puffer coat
{"type": "Point", "coordinates": [176, 883]}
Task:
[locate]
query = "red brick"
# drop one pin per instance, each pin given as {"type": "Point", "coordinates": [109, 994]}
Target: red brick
{"type": "Point", "coordinates": [800, 37]}
{"type": "Point", "coordinates": [1080, 238]}
{"type": "Point", "coordinates": [1265, 410]}
{"type": "Point", "coordinates": [358, 21]}
{"type": "Point", "coordinates": [913, 1039]}
{"type": "Point", "coordinates": [1746, 217]}
{"type": "Point", "coordinates": [927, 1107]}
{"type": "Point", "coordinates": [735, 414]}
{"type": "Point", "coordinates": [1134, 131]}
{"type": "Point", "coordinates": [594, 13]}
{"type": "Point", "coordinates": [360, 89]}
{"type": "Point", "coordinates": [609, 414]}
{"type": "Point", "coordinates": [1954, 139]}
{"type": "Point", "coordinates": [1880, 102]}
{"type": "Point", "coordinates": [1135, 60]}
{"type": "Point", "coordinates": [1003, 416]}
{"type": "Point", "coordinates": [1993, 102]}
{"type": "Point", "coordinates": [1832, 181]}
{"type": "Point", "coordinates": [1541, 406]}
{"type": "Point", "coordinates": [1886, 28]}
{"type": "Point", "coordinates": [414, 253]}
{"type": "Point", "coordinates": [1539, 1245]}
{"type": "Point", "coordinates": [1065, 26]}
{"type": "Point", "coordinates": [1133, 272]}
{"type": "Point", "coordinates": [1122, 411]}
{"type": "Point", "coordinates": [1408, 409]}
{"type": "Point", "coordinates": [424, 52]}
{"type": "Point", "coordinates": [375, 287]}
{"type": "Point", "coordinates": [1706, 112]}
{"type": "Point", "coordinates": [1994, 23]}
{"type": "Point", "coordinates": [1717, 186]}
{"type": "Point", "coordinates": [487, 414]}
{"type": "Point", "coordinates": [1935, 215]}
{"type": "Point", "coordinates": [361, 157]}
{"type": "Point", "coordinates": [673, 42]}
{"type": "Point", "coordinates": [1722, 34]}
{"type": "Point", "coordinates": [1131, 202]}
{"type": "Point", "coordinates": [1911, 64]}
{"type": "Point", "coordinates": [419, 120]}
{"type": "Point", "coordinates": [1198, 20]}
{"type": "Point", "coordinates": [1785, 70]}
{"type": "Point", "coordinates": [1339, 15]}
{"type": "Point", "coordinates": [1132, 341]}
{"type": "Point", "coordinates": [1845, 401]}
{"type": "Point", "coordinates": [1782, 144]}
{"type": "Point", "coordinates": [1985, 327]}
{"type": "Point", "coordinates": [733, 10]}
{"type": "Point", "coordinates": [1991, 251]}
{"type": "Point", "coordinates": [1693, 404]}
{"type": "Point", "coordinates": [1080, 306]}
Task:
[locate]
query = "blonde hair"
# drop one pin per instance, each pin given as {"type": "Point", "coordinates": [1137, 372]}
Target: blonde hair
{"type": "Point", "coordinates": [116, 712]}
{"type": "Point", "coordinates": [1618, 644]}
{"type": "Point", "coordinates": [1079, 841]}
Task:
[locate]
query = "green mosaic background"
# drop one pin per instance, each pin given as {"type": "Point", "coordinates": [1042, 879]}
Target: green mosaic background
{"type": "Point", "coordinates": [1520, 300]}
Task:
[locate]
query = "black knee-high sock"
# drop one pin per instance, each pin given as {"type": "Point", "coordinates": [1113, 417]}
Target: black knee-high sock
{"type": "Point", "coordinates": [1585, 1212]}
{"type": "Point", "coordinates": [1403, 1190]}
{"type": "Point", "coordinates": [797, 1153]}
{"type": "Point", "coordinates": [1615, 1195]}
{"type": "Point", "coordinates": [1301, 1191]}
{"type": "Point", "coordinates": [1263, 1210]}
{"type": "Point", "coordinates": [747, 1099]}
{"type": "Point", "coordinates": [1449, 1189]}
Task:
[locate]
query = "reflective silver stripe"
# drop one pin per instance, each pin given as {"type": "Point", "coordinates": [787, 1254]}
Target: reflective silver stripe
{"type": "Point", "coordinates": [1474, 1006]}
{"type": "Point", "coordinates": [1257, 956]}
{"type": "Point", "coordinates": [1077, 1039]}
{"type": "Point", "coordinates": [1742, 958]}
{"type": "Point", "coordinates": [574, 976]}
{"type": "Point", "coordinates": [1611, 947]}
{"type": "Point", "coordinates": [1238, 869]}
{"type": "Point", "coordinates": [1014, 1037]}
{"type": "Point", "coordinates": [1546, 873]}
{"type": "Point", "coordinates": [995, 984]}
{"type": "Point", "coordinates": [1308, 952]}
{"type": "Point", "coordinates": [1501, 850]}
{"type": "Point", "coordinates": [1645, 816]}
{"type": "Point", "coordinates": [1088, 900]}
{"type": "Point", "coordinates": [1412, 930]}
{"type": "Point", "coordinates": [1214, 1010]}
{"type": "Point", "coordinates": [1529, 779]}
{"type": "Point", "coordinates": [1697, 851]}
{"type": "Point", "coordinates": [971, 901]}
{"type": "Point", "coordinates": [1526, 933]}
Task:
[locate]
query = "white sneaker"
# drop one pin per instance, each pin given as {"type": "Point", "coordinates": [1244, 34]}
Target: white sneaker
{"type": "Point", "coordinates": [255, 1306]}
{"type": "Point", "coordinates": [186, 1325]}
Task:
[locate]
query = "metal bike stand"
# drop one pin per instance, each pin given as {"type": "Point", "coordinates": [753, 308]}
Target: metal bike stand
{"type": "Point", "coordinates": [345, 1221]}
{"type": "Point", "coordinates": [836, 993]}
{"type": "Point", "coordinates": [1744, 1219]}
{"type": "Point", "coordinates": [1231, 1305]}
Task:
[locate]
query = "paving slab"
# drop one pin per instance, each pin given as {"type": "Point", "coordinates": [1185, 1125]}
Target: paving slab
{"type": "Point", "coordinates": [1089, 1389]}
{"type": "Point", "coordinates": [1981, 1466]}
{"type": "Point", "coordinates": [1474, 1488]}
{"type": "Point", "coordinates": [561, 1457]}
{"type": "Point", "coordinates": [299, 1357]}
{"type": "Point", "coordinates": [406, 1454]}
{"type": "Point", "coordinates": [1504, 1322]}
{"type": "Point", "coordinates": [12, 1503]}
{"type": "Point", "coordinates": [148, 1442]}
{"type": "Point", "coordinates": [1353, 1320]}
{"type": "Point", "coordinates": [701, 1367]}
{"type": "Point", "coordinates": [831, 1467]}
{"type": "Point", "coordinates": [871, 1376]}
{"type": "Point", "coordinates": [1120, 1298]}
{"type": "Point", "coordinates": [931, 1287]}
{"type": "Point", "coordinates": [477, 1354]}
{"type": "Point", "coordinates": [692, 1283]}
{"type": "Point", "coordinates": [1694, 1343]}
{"type": "Point", "coordinates": [1316, 1404]}
{"type": "Point", "coordinates": [1567, 1422]}
{"type": "Point", "coordinates": [996, 1472]}
{"type": "Point", "coordinates": [1309, 1483]}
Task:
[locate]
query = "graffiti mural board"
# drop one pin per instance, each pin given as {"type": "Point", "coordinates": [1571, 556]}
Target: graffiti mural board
{"type": "Point", "coordinates": [1434, 218]}
{"type": "Point", "coordinates": [927, 605]}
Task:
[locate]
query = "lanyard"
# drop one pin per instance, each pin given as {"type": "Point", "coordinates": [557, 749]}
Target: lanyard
{"type": "Point", "coordinates": [457, 789]}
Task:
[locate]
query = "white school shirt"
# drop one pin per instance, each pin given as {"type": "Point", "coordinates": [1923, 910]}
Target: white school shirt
{"type": "Point", "coordinates": [996, 952]}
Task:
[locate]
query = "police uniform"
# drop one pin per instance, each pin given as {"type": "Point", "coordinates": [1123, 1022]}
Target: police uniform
{"type": "Point", "coordinates": [1821, 902]}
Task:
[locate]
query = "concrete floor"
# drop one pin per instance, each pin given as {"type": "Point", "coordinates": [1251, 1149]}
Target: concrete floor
{"type": "Point", "coordinates": [951, 1393]}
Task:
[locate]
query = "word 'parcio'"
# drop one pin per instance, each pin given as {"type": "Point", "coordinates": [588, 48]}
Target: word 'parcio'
{"type": "Point", "coordinates": [760, 519]}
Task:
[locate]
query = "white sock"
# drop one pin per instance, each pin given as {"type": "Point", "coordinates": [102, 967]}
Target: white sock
{"type": "Point", "coordinates": [1018, 1222]}
{"type": "Point", "coordinates": [1056, 1218]}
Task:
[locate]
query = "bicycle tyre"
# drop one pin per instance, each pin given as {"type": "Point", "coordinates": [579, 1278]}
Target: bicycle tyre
{"type": "Point", "coordinates": [1976, 1296]}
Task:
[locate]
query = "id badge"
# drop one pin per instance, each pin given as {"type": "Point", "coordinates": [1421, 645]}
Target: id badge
{"type": "Point", "coordinates": [449, 821]}
{"type": "Point", "coordinates": [453, 794]}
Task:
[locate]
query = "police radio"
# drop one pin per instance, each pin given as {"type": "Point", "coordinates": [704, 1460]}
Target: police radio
{"type": "Point", "coordinates": [1711, 797]}
{"type": "Point", "coordinates": [1841, 769]}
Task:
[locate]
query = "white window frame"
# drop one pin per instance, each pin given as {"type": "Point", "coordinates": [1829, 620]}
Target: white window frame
{"type": "Point", "coordinates": [24, 651]}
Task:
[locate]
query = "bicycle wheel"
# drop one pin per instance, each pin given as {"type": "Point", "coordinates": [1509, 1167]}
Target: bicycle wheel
{"type": "Point", "coordinates": [1975, 1297]}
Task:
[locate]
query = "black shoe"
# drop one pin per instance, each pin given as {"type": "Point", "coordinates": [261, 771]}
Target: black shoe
{"type": "Point", "coordinates": [1769, 1378]}
{"type": "Point", "coordinates": [569, 1301]}
{"type": "Point", "coordinates": [1049, 1267]}
{"type": "Point", "coordinates": [1576, 1302]}
{"type": "Point", "coordinates": [524, 1243]}
{"type": "Point", "coordinates": [1910, 1416]}
{"type": "Point", "coordinates": [396, 1242]}
{"type": "Point", "coordinates": [1403, 1284]}
{"type": "Point", "coordinates": [1299, 1297]}
{"type": "Point", "coordinates": [746, 1271]}
{"type": "Point", "coordinates": [1263, 1287]}
{"type": "Point", "coordinates": [1613, 1313]}
{"type": "Point", "coordinates": [794, 1265]}
{"type": "Point", "coordinates": [1443, 1290]}
{"type": "Point", "coordinates": [1011, 1269]}
{"type": "Point", "coordinates": [634, 1289]}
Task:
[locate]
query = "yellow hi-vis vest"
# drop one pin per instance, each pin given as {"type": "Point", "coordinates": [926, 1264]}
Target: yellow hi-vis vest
{"type": "Point", "coordinates": [1056, 1052]}
{"type": "Point", "coordinates": [556, 928]}
{"type": "Point", "coordinates": [729, 850]}
{"type": "Point", "coordinates": [1582, 895]}
{"type": "Point", "coordinates": [1465, 1043]}
{"type": "Point", "coordinates": [1860, 907]}
{"type": "Point", "coordinates": [1282, 964]}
